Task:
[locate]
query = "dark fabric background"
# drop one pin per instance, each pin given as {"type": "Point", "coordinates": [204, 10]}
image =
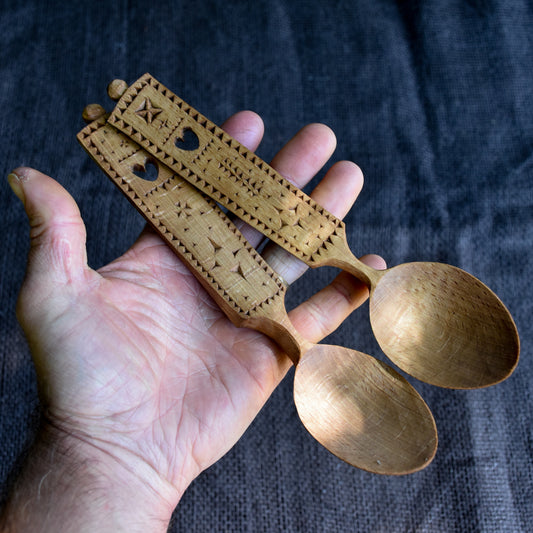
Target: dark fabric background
{"type": "Point", "coordinates": [432, 99]}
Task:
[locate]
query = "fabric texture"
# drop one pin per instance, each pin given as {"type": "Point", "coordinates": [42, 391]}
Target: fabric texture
{"type": "Point", "coordinates": [434, 100]}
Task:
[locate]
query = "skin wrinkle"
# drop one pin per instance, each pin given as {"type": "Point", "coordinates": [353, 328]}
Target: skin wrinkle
{"type": "Point", "coordinates": [126, 464]}
{"type": "Point", "coordinates": [162, 271]}
{"type": "Point", "coordinates": [178, 436]}
{"type": "Point", "coordinates": [147, 243]}
{"type": "Point", "coordinates": [40, 228]}
{"type": "Point", "coordinates": [30, 315]}
{"type": "Point", "coordinates": [314, 314]}
{"type": "Point", "coordinates": [255, 371]}
{"type": "Point", "coordinates": [131, 276]}
{"type": "Point", "coordinates": [218, 319]}
{"type": "Point", "coordinates": [213, 370]}
{"type": "Point", "coordinates": [170, 345]}
{"type": "Point", "coordinates": [341, 292]}
{"type": "Point", "coordinates": [144, 242]}
{"type": "Point", "coordinates": [192, 289]}
{"type": "Point", "coordinates": [166, 274]}
{"type": "Point", "coordinates": [105, 446]}
{"type": "Point", "coordinates": [199, 446]}
{"type": "Point", "coordinates": [351, 296]}
{"type": "Point", "coordinates": [141, 313]}
{"type": "Point", "coordinates": [255, 338]}
{"type": "Point", "coordinates": [218, 379]}
{"type": "Point", "coordinates": [113, 378]}
{"type": "Point", "coordinates": [60, 260]}
{"type": "Point", "coordinates": [320, 142]}
{"type": "Point", "coordinates": [41, 484]}
{"type": "Point", "coordinates": [148, 337]}
{"type": "Point", "coordinates": [117, 416]}
{"type": "Point", "coordinates": [198, 464]}
{"type": "Point", "coordinates": [161, 436]}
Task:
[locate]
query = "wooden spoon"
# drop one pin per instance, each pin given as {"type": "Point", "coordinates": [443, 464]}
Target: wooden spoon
{"type": "Point", "coordinates": [357, 407]}
{"type": "Point", "coordinates": [434, 321]}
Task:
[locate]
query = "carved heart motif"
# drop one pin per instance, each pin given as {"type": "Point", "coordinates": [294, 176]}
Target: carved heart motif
{"type": "Point", "coordinates": [149, 171]}
{"type": "Point", "coordinates": [188, 140]}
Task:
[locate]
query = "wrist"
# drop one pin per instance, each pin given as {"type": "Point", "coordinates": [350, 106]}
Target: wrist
{"type": "Point", "coordinates": [70, 483]}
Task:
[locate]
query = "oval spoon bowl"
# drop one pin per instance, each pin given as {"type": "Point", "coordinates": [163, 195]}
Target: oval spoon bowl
{"type": "Point", "coordinates": [363, 412]}
{"type": "Point", "coordinates": [443, 326]}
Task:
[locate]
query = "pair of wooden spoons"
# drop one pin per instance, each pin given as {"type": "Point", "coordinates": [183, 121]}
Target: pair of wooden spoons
{"type": "Point", "coordinates": [435, 321]}
{"type": "Point", "coordinates": [357, 407]}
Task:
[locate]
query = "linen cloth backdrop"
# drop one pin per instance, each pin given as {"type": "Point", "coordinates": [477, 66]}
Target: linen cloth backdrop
{"type": "Point", "coordinates": [432, 99]}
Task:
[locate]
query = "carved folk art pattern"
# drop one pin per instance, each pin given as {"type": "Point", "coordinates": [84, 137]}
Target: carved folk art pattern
{"type": "Point", "coordinates": [224, 169]}
{"type": "Point", "coordinates": [192, 224]}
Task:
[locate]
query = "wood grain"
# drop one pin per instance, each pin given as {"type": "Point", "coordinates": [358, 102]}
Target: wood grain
{"type": "Point", "coordinates": [363, 412]}
{"type": "Point", "coordinates": [443, 326]}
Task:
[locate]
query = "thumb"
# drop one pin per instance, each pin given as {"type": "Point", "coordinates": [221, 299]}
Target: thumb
{"type": "Point", "coordinates": [57, 232]}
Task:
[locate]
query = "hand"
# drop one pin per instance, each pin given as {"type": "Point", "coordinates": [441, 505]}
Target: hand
{"type": "Point", "coordinates": [144, 382]}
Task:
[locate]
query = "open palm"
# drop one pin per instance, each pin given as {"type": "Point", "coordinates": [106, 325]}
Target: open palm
{"type": "Point", "coordinates": [136, 360]}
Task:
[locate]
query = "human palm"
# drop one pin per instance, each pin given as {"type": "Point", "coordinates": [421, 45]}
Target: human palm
{"type": "Point", "coordinates": [153, 365]}
{"type": "Point", "coordinates": [135, 359]}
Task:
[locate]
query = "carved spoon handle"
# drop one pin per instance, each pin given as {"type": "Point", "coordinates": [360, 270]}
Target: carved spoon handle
{"type": "Point", "coordinates": [249, 292]}
{"type": "Point", "coordinates": [219, 166]}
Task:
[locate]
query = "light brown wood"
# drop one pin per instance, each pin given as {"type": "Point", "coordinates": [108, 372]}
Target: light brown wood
{"type": "Point", "coordinates": [92, 112]}
{"type": "Point", "coordinates": [226, 171]}
{"type": "Point", "coordinates": [363, 412]}
{"type": "Point", "coordinates": [443, 326]}
{"type": "Point", "coordinates": [116, 89]}
{"type": "Point", "coordinates": [357, 407]}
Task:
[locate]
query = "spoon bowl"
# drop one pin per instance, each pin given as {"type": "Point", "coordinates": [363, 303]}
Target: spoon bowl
{"type": "Point", "coordinates": [363, 412]}
{"type": "Point", "coordinates": [443, 326]}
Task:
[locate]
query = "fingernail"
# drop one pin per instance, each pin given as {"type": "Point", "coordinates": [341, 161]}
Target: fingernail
{"type": "Point", "coordinates": [16, 187]}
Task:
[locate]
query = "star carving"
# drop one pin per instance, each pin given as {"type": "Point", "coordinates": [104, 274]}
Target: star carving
{"type": "Point", "coordinates": [238, 269]}
{"type": "Point", "coordinates": [148, 111]}
{"type": "Point", "coordinates": [214, 244]}
{"type": "Point", "coordinates": [185, 210]}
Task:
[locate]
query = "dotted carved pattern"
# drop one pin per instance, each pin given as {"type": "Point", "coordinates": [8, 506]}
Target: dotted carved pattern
{"type": "Point", "coordinates": [225, 170]}
{"type": "Point", "coordinates": [193, 225]}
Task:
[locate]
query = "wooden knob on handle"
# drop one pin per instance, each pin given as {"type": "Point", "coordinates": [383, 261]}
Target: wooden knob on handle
{"type": "Point", "coordinates": [116, 89]}
{"type": "Point", "coordinates": [92, 112]}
